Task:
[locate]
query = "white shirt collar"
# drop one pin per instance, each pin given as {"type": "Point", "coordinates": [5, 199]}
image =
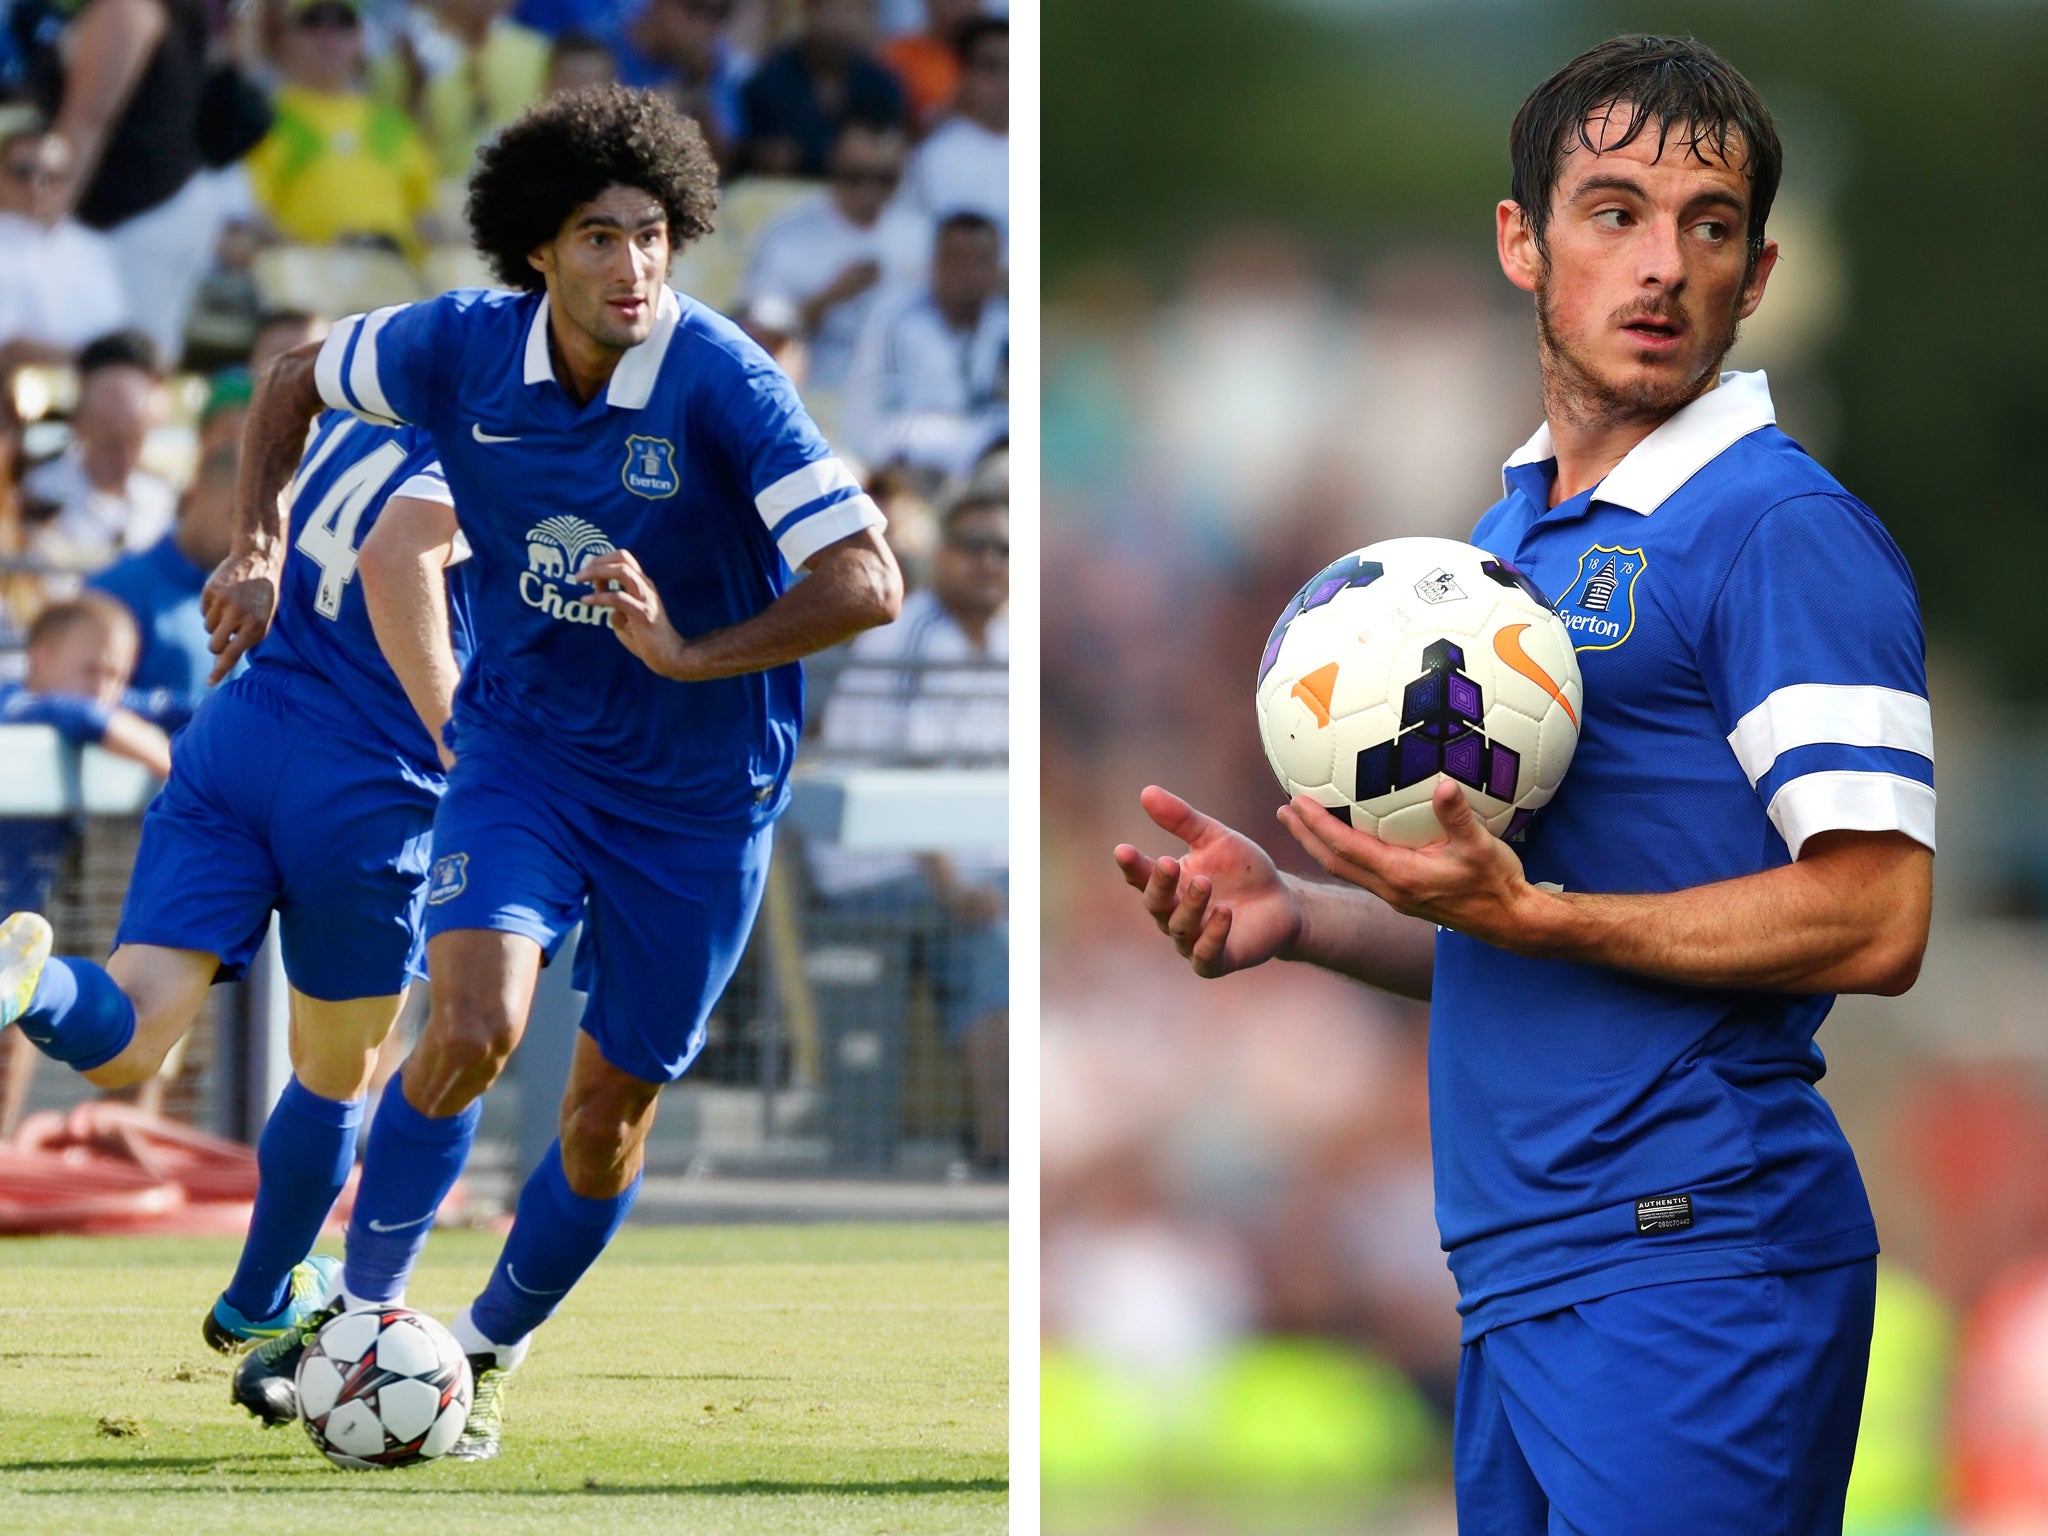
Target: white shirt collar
{"type": "Point", "coordinates": [633, 379]}
{"type": "Point", "coordinates": [1679, 449]}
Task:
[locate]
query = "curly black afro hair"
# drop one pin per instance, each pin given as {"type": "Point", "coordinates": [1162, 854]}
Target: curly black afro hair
{"type": "Point", "coordinates": [566, 151]}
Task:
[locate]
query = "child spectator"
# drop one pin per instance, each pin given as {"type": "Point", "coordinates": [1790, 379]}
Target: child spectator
{"type": "Point", "coordinates": [80, 655]}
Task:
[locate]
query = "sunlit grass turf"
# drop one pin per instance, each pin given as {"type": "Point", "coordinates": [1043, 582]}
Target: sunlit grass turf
{"type": "Point", "coordinates": [700, 1379]}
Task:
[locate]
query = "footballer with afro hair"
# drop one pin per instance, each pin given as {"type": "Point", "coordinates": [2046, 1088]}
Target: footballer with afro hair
{"type": "Point", "coordinates": [566, 151]}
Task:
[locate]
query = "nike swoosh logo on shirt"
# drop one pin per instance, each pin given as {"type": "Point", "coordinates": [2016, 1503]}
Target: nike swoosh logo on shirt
{"type": "Point", "coordinates": [398, 1226]}
{"type": "Point", "coordinates": [476, 430]}
{"type": "Point", "coordinates": [1507, 645]}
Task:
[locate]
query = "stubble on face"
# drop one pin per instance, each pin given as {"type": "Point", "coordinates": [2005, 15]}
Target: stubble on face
{"type": "Point", "coordinates": [1575, 394]}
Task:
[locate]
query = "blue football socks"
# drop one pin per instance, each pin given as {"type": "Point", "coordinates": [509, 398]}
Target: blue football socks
{"type": "Point", "coordinates": [303, 1159]}
{"type": "Point", "coordinates": [78, 1015]}
{"type": "Point", "coordinates": [556, 1235]}
{"type": "Point", "coordinates": [411, 1164]}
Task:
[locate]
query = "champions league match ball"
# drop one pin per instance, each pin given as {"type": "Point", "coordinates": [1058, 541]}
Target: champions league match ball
{"type": "Point", "coordinates": [1411, 660]}
{"type": "Point", "coordinates": [383, 1387]}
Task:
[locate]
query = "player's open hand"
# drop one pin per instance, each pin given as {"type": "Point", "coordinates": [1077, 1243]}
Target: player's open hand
{"type": "Point", "coordinates": [1467, 880]}
{"type": "Point", "coordinates": [1224, 904]}
{"type": "Point", "coordinates": [237, 603]}
{"type": "Point", "coordinates": [638, 618]}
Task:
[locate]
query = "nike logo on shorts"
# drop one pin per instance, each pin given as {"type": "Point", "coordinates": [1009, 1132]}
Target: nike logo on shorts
{"type": "Point", "coordinates": [476, 430]}
{"type": "Point", "coordinates": [398, 1226]}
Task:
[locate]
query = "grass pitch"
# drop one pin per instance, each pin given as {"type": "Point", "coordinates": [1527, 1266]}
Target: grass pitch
{"type": "Point", "coordinates": [756, 1380]}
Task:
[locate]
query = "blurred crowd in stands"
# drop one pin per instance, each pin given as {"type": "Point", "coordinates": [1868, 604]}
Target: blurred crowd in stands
{"type": "Point", "coordinates": [189, 188]}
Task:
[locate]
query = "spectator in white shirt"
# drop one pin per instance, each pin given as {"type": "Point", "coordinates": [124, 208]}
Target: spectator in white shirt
{"type": "Point", "coordinates": [95, 500]}
{"type": "Point", "coordinates": [933, 687]}
{"type": "Point", "coordinates": [930, 380]}
{"type": "Point", "coordinates": [965, 164]}
{"type": "Point", "coordinates": [815, 268]}
{"type": "Point", "coordinates": [59, 285]}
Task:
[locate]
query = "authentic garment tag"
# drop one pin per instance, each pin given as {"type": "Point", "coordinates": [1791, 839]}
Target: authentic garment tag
{"type": "Point", "coordinates": [1664, 1213]}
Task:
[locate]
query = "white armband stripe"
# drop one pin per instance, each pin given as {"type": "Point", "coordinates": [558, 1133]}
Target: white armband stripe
{"type": "Point", "coordinates": [1852, 802]}
{"type": "Point", "coordinates": [1808, 714]}
{"type": "Point", "coordinates": [425, 486]}
{"type": "Point", "coordinates": [793, 490]}
{"type": "Point", "coordinates": [327, 366]}
{"type": "Point", "coordinates": [362, 373]}
{"type": "Point", "coordinates": [803, 539]}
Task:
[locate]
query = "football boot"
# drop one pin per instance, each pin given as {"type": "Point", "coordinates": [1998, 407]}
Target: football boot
{"type": "Point", "coordinates": [486, 1424]}
{"type": "Point", "coordinates": [24, 948]}
{"type": "Point", "coordinates": [314, 1282]}
{"type": "Point", "coordinates": [266, 1382]}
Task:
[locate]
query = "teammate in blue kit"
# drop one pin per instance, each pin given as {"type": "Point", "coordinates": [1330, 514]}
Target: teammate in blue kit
{"type": "Point", "coordinates": [1663, 1250]}
{"type": "Point", "coordinates": [305, 786]}
{"type": "Point", "coordinates": [638, 483]}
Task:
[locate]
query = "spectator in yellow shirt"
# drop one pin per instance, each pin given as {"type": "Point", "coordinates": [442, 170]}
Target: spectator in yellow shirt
{"type": "Point", "coordinates": [337, 165]}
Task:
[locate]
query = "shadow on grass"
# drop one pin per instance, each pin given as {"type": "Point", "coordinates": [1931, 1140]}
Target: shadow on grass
{"type": "Point", "coordinates": [752, 1487]}
{"type": "Point", "coordinates": [119, 1463]}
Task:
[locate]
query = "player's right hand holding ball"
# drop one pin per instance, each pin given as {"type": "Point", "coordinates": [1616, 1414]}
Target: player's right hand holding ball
{"type": "Point", "coordinates": [1225, 904]}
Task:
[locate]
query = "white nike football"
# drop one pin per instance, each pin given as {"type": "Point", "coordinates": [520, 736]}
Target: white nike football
{"type": "Point", "coordinates": [1414, 660]}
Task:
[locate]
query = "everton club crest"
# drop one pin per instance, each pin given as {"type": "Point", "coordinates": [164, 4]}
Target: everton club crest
{"type": "Point", "coordinates": [1600, 606]}
{"type": "Point", "coordinates": [650, 467]}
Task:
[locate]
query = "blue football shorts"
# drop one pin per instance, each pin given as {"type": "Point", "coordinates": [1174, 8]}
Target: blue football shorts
{"type": "Point", "coordinates": [666, 914]}
{"type": "Point", "coordinates": [1698, 1408]}
{"type": "Point", "coordinates": [270, 807]}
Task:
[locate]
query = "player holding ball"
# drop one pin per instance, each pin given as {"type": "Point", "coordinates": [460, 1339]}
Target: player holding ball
{"type": "Point", "coordinates": [1664, 1253]}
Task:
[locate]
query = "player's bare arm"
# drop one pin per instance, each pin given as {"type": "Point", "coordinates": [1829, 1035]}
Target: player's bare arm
{"type": "Point", "coordinates": [241, 595]}
{"type": "Point", "coordinates": [404, 569]}
{"type": "Point", "coordinates": [849, 586]}
{"type": "Point", "coordinates": [1227, 907]}
{"type": "Point", "coordinates": [1850, 915]}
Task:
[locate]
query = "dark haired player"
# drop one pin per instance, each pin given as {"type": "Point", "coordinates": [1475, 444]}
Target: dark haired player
{"type": "Point", "coordinates": [1665, 1258]}
{"type": "Point", "coordinates": [305, 786]}
{"type": "Point", "coordinates": [638, 483]}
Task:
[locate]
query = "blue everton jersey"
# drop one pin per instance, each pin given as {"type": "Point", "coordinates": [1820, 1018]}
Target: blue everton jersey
{"type": "Point", "coordinates": [698, 458]}
{"type": "Point", "coordinates": [321, 646]}
{"type": "Point", "coordinates": [1751, 646]}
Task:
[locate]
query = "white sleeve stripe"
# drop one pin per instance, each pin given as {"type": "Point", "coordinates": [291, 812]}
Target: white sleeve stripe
{"type": "Point", "coordinates": [1807, 714]}
{"type": "Point", "coordinates": [362, 373]}
{"type": "Point", "coordinates": [803, 540]}
{"type": "Point", "coordinates": [327, 366]}
{"type": "Point", "coordinates": [793, 490]}
{"type": "Point", "coordinates": [1852, 802]}
{"type": "Point", "coordinates": [426, 486]}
